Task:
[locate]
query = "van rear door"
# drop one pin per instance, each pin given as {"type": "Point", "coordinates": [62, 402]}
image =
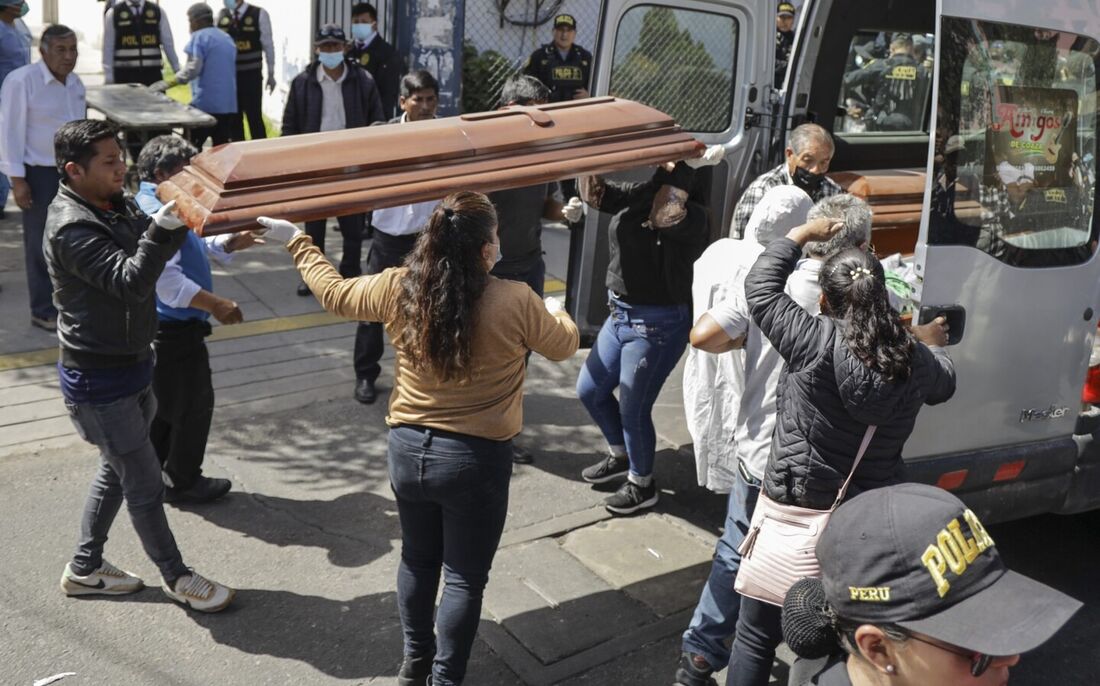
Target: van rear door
{"type": "Point", "coordinates": [1007, 239]}
{"type": "Point", "coordinates": [704, 62]}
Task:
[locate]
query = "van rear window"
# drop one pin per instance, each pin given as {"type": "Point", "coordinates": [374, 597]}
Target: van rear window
{"type": "Point", "coordinates": [1015, 143]}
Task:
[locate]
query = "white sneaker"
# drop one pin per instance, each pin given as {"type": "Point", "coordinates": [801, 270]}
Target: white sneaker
{"type": "Point", "coordinates": [199, 593]}
{"type": "Point", "coordinates": [107, 580]}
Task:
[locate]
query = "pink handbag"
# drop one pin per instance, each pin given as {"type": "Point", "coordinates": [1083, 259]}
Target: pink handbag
{"type": "Point", "coordinates": [779, 547]}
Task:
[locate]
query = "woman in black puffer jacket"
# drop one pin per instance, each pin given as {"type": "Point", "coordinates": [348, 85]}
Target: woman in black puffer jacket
{"type": "Point", "coordinates": [853, 366]}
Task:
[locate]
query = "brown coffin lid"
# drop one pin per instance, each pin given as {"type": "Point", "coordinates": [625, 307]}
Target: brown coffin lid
{"type": "Point", "coordinates": [320, 175]}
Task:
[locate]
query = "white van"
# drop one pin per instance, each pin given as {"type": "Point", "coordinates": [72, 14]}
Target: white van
{"type": "Point", "coordinates": [986, 183]}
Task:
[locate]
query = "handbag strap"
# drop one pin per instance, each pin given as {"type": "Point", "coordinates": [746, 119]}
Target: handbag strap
{"type": "Point", "coordinates": [859, 456]}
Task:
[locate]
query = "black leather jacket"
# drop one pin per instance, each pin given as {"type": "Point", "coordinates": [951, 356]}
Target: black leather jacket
{"type": "Point", "coordinates": [104, 266]}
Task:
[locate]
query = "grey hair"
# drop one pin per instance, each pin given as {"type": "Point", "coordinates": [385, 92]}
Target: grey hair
{"type": "Point", "coordinates": [200, 10]}
{"type": "Point", "coordinates": [806, 133]}
{"type": "Point", "coordinates": [53, 33]}
{"type": "Point", "coordinates": [523, 90]}
{"type": "Point", "coordinates": [854, 212]}
{"type": "Point", "coordinates": [165, 154]}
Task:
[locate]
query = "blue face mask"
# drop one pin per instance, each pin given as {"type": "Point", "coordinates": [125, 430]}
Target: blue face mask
{"type": "Point", "coordinates": [331, 59]}
{"type": "Point", "coordinates": [362, 32]}
{"type": "Point", "coordinates": [230, 5]}
{"type": "Point", "coordinates": [24, 9]}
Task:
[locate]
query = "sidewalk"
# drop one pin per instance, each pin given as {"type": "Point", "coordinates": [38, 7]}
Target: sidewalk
{"type": "Point", "coordinates": [309, 534]}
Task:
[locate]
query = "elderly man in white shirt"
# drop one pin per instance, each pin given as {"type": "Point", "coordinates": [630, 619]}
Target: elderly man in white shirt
{"type": "Point", "coordinates": [35, 101]}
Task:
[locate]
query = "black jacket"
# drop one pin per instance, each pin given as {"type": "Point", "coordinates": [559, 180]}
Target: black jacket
{"type": "Point", "coordinates": [562, 77]}
{"type": "Point", "coordinates": [827, 397]}
{"type": "Point", "coordinates": [381, 61]}
{"type": "Point", "coordinates": [362, 104]}
{"type": "Point", "coordinates": [104, 266]}
{"type": "Point", "coordinates": [655, 267]}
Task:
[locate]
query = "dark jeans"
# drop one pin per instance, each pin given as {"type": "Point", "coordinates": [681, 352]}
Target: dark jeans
{"type": "Point", "coordinates": [535, 277]}
{"type": "Point", "coordinates": [221, 132]}
{"type": "Point", "coordinates": [129, 470]}
{"type": "Point", "coordinates": [715, 616]}
{"type": "Point", "coordinates": [759, 633]}
{"type": "Point", "coordinates": [385, 251]}
{"type": "Point", "coordinates": [452, 498]}
{"type": "Point", "coordinates": [351, 227]}
{"type": "Point", "coordinates": [250, 95]}
{"type": "Point", "coordinates": [636, 350]}
{"type": "Point", "coordinates": [185, 400]}
{"type": "Point", "coordinates": [43, 182]}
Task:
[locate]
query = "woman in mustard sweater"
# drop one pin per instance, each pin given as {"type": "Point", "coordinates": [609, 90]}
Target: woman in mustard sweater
{"type": "Point", "coordinates": [461, 337]}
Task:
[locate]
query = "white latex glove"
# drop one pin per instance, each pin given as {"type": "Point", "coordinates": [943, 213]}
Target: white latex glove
{"type": "Point", "coordinates": [711, 156]}
{"type": "Point", "coordinates": [573, 210]}
{"type": "Point", "coordinates": [277, 229]}
{"type": "Point", "coordinates": [554, 305]}
{"type": "Point", "coordinates": [166, 217]}
{"type": "Point", "coordinates": [160, 86]}
{"type": "Point", "coordinates": [270, 83]}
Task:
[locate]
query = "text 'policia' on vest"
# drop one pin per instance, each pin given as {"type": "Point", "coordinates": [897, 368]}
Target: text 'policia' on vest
{"type": "Point", "coordinates": [137, 44]}
{"type": "Point", "coordinates": [245, 32]}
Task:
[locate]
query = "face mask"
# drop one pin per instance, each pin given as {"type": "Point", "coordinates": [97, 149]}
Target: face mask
{"type": "Point", "coordinates": [807, 180]}
{"type": "Point", "coordinates": [362, 32]}
{"type": "Point", "coordinates": [331, 59]}
{"type": "Point", "coordinates": [24, 9]}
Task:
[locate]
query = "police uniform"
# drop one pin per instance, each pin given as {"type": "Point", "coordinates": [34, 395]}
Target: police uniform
{"type": "Point", "coordinates": [245, 32]}
{"type": "Point", "coordinates": [380, 60]}
{"type": "Point", "coordinates": [562, 76]}
{"type": "Point", "coordinates": [895, 88]}
{"type": "Point", "coordinates": [784, 42]}
{"type": "Point", "coordinates": [137, 43]}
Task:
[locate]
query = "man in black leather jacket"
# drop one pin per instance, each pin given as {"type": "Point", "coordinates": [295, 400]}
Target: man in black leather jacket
{"type": "Point", "coordinates": [104, 257]}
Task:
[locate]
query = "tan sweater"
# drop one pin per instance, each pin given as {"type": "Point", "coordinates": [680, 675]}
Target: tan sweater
{"type": "Point", "coordinates": [511, 321]}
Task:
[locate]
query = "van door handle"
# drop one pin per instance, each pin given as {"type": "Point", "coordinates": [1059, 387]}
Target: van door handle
{"type": "Point", "coordinates": [955, 315]}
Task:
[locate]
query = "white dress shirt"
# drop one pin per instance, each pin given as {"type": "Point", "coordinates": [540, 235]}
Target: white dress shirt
{"type": "Point", "coordinates": [33, 106]}
{"type": "Point", "coordinates": [404, 220]}
{"type": "Point", "coordinates": [333, 116]}
{"type": "Point", "coordinates": [267, 43]}
{"type": "Point", "coordinates": [174, 288]}
{"type": "Point", "coordinates": [167, 43]}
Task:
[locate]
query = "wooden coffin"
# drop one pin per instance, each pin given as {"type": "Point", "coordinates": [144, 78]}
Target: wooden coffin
{"type": "Point", "coordinates": [314, 176]}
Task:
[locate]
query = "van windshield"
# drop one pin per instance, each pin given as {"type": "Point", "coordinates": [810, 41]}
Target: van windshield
{"type": "Point", "coordinates": [1015, 143]}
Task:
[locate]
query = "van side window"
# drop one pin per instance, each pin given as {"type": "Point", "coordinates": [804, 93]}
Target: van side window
{"type": "Point", "coordinates": [887, 82]}
{"type": "Point", "coordinates": [681, 62]}
{"type": "Point", "coordinates": [1015, 143]}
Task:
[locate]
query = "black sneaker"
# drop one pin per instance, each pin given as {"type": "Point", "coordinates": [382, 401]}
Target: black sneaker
{"type": "Point", "coordinates": [521, 456]}
{"type": "Point", "coordinates": [631, 497]}
{"type": "Point", "coordinates": [694, 670]}
{"type": "Point", "coordinates": [416, 671]}
{"type": "Point", "coordinates": [203, 490]}
{"type": "Point", "coordinates": [607, 469]}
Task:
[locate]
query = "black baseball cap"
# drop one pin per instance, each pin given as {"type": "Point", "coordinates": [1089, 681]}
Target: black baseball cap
{"type": "Point", "coordinates": [330, 33]}
{"type": "Point", "coordinates": [565, 20]}
{"type": "Point", "coordinates": [786, 9]}
{"type": "Point", "coordinates": [914, 555]}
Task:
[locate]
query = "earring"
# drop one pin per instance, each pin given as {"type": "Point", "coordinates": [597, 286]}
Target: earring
{"type": "Point", "coordinates": [891, 670]}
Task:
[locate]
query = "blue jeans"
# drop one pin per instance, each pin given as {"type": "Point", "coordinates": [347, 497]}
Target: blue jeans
{"type": "Point", "coordinates": [128, 469]}
{"type": "Point", "coordinates": [5, 190]}
{"type": "Point", "coordinates": [759, 633]}
{"type": "Point", "coordinates": [43, 182]}
{"type": "Point", "coordinates": [715, 616]}
{"type": "Point", "coordinates": [452, 498]}
{"type": "Point", "coordinates": [637, 348]}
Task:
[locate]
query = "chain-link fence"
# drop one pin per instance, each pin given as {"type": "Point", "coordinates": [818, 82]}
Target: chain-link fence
{"type": "Point", "coordinates": [502, 34]}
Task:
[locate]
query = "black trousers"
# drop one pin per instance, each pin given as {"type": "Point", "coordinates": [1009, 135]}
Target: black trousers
{"type": "Point", "coordinates": [185, 399]}
{"type": "Point", "coordinates": [250, 95]}
{"type": "Point", "coordinates": [351, 227]}
{"type": "Point", "coordinates": [385, 251]}
{"type": "Point", "coordinates": [222, 132]}
{"type": "Point", "coordinates": [146, 76]}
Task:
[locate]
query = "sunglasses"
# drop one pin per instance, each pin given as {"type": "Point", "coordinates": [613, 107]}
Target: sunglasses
{"type": "Point", "coordinates": [979, 662]}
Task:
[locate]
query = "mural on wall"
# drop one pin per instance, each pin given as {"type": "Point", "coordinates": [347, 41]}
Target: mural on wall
{"type": "Point", "coordinates": [430, 34]}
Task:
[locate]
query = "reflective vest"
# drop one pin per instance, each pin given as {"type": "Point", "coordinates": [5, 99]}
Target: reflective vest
{"type": "Point", "coordinates": [137, 37]}
{"type": "Point", "coordinates": [246, 34]}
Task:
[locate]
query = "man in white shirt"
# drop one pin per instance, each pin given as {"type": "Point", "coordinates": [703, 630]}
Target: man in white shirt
{"type": "Point", "coordinates": [134, 33]}
{"type": "Point", "coordinates": [395, 232]}
{"type": "Point", "coordinates": [727, 326]}
{"type": "Point", "coordinates": [35, 101]}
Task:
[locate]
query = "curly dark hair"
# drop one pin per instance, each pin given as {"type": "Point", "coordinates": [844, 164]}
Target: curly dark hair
{"type": "Point", "coordinates": [854, 285]}
{"type": "Point", "coordinates": [447, 275]}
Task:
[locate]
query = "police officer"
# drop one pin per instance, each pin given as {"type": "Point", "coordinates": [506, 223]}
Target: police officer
{"type": "Point", "coordinates": [134, 33]}
{"type": "Point", "coordinates": [250, 28]}
{"type": "Point", "coordinates": [895, 87]}
{"type": "Point", "coordinates": [372, 52]}
{"type": "Point", "coordinates": [564, 67]}
{"type": "Point", "coordinates": [784, 40]}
